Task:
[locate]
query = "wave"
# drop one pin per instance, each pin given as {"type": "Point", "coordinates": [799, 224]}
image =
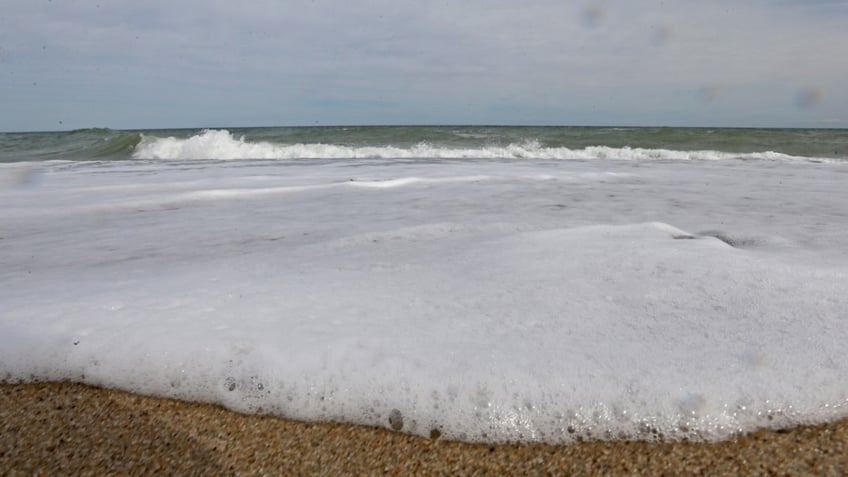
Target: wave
{"type": "Point", "coordinates": [119, 145]}
{"type": "Point", "coordinates": [91, 131]}
{"type": "Point", "coordinates": [222, 145]}
{"type": "Point", "coordinates": [77, 145]}
{"type": "Point", "coordinates": [95, 143]}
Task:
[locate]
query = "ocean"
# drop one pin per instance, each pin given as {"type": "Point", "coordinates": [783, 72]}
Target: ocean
{"type": "Point", "coordinates": [484, 284]}
{"type": "Point", "coordinates": [421, 142]}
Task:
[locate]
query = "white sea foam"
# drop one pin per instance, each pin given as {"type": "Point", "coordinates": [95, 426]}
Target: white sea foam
{"type": "Point", "coordinates": [220, 144]}
{"type": "Point", "coordinates": [489, 301]}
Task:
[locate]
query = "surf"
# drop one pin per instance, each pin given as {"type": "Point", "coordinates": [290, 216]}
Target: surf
{"type": "Point", "coordinates": [224, 145]}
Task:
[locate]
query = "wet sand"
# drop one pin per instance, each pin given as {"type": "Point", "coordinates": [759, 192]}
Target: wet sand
{"type": "Point", "coordinates": [72, 429]}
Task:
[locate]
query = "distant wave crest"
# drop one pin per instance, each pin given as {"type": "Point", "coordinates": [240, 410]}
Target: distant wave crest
{"type": "Point", "coordinates": [221, 144]}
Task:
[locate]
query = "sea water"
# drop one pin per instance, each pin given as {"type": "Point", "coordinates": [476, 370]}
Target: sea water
{"type": "Point", "coordinates": [481, 284]}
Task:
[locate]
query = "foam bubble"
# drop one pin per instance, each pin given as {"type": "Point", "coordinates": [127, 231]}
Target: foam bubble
{"type": "Point", "coordinates": [592, 332]}
{"type": "Point", "coordinates": [455, 302]}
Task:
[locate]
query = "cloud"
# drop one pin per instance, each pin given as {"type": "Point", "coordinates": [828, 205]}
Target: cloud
{"type": "Point", "coordinates": [157, 63]}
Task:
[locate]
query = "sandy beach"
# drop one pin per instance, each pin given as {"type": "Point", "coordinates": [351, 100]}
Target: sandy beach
{"type": "Point", "coordinates": [72, 429]}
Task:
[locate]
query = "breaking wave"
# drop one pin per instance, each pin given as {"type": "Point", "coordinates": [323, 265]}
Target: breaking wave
{"type": "Point", "coordinates": [221, 144]}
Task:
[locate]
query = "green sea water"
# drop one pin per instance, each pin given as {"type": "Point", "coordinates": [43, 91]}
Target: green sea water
{"type": "Point", "coordinates": [109, 144]}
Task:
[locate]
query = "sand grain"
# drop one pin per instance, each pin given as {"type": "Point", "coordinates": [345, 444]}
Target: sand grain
{"type": "Point", "coordinates": [72, 429]}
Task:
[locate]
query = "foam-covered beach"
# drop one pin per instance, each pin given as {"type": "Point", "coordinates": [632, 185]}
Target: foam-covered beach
{"type": "Point", "coordinates": [69, 429]}
{"type": "Point", "coordinates": [625, 297]}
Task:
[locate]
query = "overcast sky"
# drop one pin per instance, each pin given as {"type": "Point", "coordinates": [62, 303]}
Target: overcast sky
{"type": "Point", "coordinates": [68, 64]}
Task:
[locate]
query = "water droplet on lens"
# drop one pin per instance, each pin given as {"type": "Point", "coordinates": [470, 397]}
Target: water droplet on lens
{"type": "Point", "coordinates": [396, 420]}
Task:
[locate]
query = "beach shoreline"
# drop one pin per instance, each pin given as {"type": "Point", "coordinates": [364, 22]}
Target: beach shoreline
{"type": "Point", "coordinates": [74, 429]}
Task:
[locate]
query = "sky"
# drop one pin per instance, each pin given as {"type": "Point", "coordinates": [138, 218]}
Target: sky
{"type": "Point", "coordinates": [67, 64]}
